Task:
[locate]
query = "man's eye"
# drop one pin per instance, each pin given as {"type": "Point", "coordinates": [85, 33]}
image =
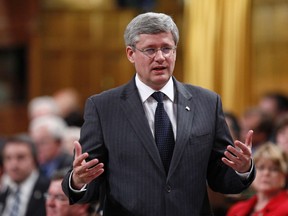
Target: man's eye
{"type": "Point", "coordinates": [149, 51]}
{"type": "Point", "coordinates": [166, 50]}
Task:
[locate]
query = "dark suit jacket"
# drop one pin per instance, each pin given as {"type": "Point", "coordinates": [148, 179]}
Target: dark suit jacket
{"type": "Point", "coordinates": [116, 131]}
{"type": "Point", "coordinates": [36, 204]}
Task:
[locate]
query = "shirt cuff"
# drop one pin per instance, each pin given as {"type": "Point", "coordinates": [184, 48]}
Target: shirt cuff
{"type": "Point", "coordinates": [246, 175]}
{"type": "Point", "coordinates": [84, 188]}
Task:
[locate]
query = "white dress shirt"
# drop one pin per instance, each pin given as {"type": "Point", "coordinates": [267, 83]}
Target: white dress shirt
{"type": "Point", "coordinates": [26, 189]}
{"type": "Point", "coordinates": [150, 104]}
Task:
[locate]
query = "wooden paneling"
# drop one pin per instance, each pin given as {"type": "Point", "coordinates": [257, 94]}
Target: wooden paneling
{"type": "Point", "coordinates": [72, 43]}
{"type": "Point", "coordinates": [270, 47]}
{"type": "Point", "coordinates": [82, 49]}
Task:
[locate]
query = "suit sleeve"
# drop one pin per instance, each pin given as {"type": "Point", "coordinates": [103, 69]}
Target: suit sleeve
{"type": "Point", "coordinates": [91, 140]}
{"type": "Point", "coordinates": [220, 177]}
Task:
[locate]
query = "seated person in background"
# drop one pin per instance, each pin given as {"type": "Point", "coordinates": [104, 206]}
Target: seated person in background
{"type": "Point", "coordinates": [25, 186]}
{"type": "Point", "coordinates": [260, 122]}
{"type": "Point", "coordinates": [68, 100]}
{"type": "Point", "coordinates": [271, 197]}
{"type": "Point", "coordinates": [275, 104]}
{"type": "Point", "coordinates": [47, 133]}
{"type": "Point", "coordinates": [1, 164]}
{"type": "Point", "coordinates": [281, 133]}
{"type": "Point", "coordinates": [42, 105]}
{"type": "Point", "coordinates": [233, 125]}
{"type": "Point", "coordinates": [71, 134]}
{"type": "Point", "coordinates": [57, 204]}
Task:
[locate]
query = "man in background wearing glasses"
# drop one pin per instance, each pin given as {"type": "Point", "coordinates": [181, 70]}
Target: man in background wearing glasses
{"type": "Point", "coordinates": [157, 169]}
{"type": "Point", "coordinates": [57, 204]}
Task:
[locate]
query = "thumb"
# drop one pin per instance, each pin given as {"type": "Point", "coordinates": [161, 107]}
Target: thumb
{"type": "Point", "coordinates": [78, 149]}
{"type": "Point", "coordinates": [248, 140]}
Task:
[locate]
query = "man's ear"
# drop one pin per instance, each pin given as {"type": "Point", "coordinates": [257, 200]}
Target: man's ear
{"type": "Point", "coordinates": [130, 54]}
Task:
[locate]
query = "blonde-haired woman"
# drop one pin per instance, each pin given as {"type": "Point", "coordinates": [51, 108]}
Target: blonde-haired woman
{"type": "Point", "coordinates": [271, 197]}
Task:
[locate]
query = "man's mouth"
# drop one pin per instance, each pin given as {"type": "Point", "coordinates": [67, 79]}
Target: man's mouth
{"type": "Point", "coordinates": [159, 68]}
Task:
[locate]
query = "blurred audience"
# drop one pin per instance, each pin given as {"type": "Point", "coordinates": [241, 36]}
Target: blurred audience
{"type": "Point", "coordinates": [42, 105]}
{"type": "Point", "coordinates": [281, 133]}
{"type": "Point", "coordinates": [71, 134]}
{"type": "Point", "coordinates": [275, 104]}
{"type": "Point", "coordinates": [260, 122]}
{"type": "Point", "coordinates": [24, 185]}
{"type": "Point", "coordinates": [2, 141]}
{"type": "Point", "coordinates": [57, 204]}
{"type": "Point", "coordinates": [47, 132]}
{"type": "Point", "coordinates": [55, 123]}
{"type": "Point", "coordinates": [68, 101]}
{"type": "Point", "coordinates": [271, 197]}
{"type": "Point", "coordinates": [233, 124]}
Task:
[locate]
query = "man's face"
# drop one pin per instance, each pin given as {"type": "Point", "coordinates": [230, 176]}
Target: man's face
{"type": "Point", "coordinates": [47, 146]}
{"type": "Point", "coordinates": [57, 204]}
{"type": "Point", "coordinates": [18, 161]}
{"type": "Point", "coordinates": [154, 72]}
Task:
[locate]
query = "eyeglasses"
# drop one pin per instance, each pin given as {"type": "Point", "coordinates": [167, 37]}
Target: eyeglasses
{"type": "Point", "coordinates": [58, 197]}
{"type": "Point", "coordinates": [151, 52]}
{"type": "Point", "coordinates": [273, 169]}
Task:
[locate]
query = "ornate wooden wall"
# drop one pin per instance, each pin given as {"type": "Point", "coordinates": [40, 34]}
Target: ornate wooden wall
{"type": "Point", "coordinates": [78, 44]}
{"type": "Point", "coordinates": [270, 47]}
{"type": "Point", "coordinates": [73, 45]}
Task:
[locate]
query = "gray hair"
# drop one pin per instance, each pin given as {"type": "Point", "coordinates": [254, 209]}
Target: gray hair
{"type": "Point", "coordinates": [150, 23]}
{"type": "Point", "coordinates": [54, 125]}
{"type": "Point", "coordinates": [42, 105]}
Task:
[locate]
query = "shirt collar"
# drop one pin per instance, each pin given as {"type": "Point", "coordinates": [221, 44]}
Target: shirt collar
{"type": "Point", "coordinates": [27, 183]}
{"type": "Point", "coordinates": [145, 91]}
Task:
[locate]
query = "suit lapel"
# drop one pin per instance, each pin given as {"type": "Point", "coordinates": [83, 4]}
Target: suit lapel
{"type": "Point", "coordinates": [185, 114]}
{"type": "Point", "coordinates": [3, 198]}
{"type": "Point", "coordinates": [130, 101]}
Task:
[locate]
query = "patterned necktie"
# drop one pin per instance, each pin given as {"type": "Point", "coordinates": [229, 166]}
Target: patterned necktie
{"type": "Point", "coordinates": [164, 136]}
{"type": "Point", "coordinates": [16, 203]}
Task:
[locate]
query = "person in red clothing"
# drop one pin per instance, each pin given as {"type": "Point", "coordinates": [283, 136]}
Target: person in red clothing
{"type": "Point", "coordinates": [271, 197]}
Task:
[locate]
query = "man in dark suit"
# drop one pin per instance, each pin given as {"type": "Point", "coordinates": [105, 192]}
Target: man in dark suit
{"type": "Point", "coordinates": [24, 186]}
{"type": "Point", "coordinates": [119, 136]}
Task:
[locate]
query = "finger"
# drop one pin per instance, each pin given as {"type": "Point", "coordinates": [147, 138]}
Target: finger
{"type": "Point", "coordinates": [248, 140]}
{"type": "Point", "coordinates": [85, 168]}
{"type": "Point", "coordinates": [243, 148]}
{"type": "Point", "coordinates": [237, 159]}
{"type": "Point", "coordinates": [90, 164]}
{"type": "Point", "coordinates": [86, 179]}
{"type": "Point", "coordinates": [240, 155]}
{"type": "Point", "coordinates": [230, 155]}
{"type": "Point", "coordinates": [87, 175]}
{"type": "Point", "coordinates": [98, 173]}
{"type": "Point", "coordinates": [96, 170]}
{"type": "Point", "coordinates": [235, 151]}
{"type": "Point", "coordinates": [229, 163]}
{"type": "Point", "coordinates": [80, 160]}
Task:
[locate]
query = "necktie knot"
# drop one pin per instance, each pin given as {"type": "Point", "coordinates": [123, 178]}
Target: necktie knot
{"type": "Point", "coordinates": [158, 96]}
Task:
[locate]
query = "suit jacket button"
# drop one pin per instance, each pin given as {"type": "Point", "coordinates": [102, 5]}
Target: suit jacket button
{"type": "Point", "coordinates": [168, 188]}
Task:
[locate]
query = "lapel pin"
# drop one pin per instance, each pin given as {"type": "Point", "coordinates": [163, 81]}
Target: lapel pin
{"type": "Point", "coordinates": [187, 108]}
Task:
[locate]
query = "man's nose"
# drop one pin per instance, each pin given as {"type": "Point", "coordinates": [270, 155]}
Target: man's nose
{"type": "Point", "coordinates": [159, 55]}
